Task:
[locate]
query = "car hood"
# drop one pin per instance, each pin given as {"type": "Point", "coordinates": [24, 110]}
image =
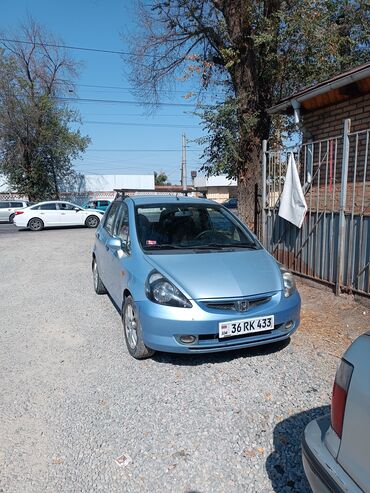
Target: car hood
{"type": "Point", "coordinates": [220, 274]}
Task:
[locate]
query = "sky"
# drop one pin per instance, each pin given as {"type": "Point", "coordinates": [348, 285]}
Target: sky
{"type": "Point", "coordinates": [125, 139]}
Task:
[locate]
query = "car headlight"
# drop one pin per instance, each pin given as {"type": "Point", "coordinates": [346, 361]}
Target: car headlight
{"type": "Point", "coordinates": [160, 290]}
{"type": "Point", "coordinates": [288, 280]}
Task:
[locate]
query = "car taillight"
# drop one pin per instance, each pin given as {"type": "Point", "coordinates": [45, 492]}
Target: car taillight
{"type": "Point", "coordinates": [19, 212]}
{"type": "Point", "coordinates": [339, 397]}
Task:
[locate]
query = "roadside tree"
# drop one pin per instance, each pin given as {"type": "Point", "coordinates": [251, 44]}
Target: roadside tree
{"type": "Point", "coordinates": [37, 144]}
{"type": "Point", "coordinates": [160, 178]}
{"type": "Point", "coordinates": [247, 54]}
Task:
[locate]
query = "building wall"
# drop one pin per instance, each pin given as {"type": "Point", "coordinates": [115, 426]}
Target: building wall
{"type": "Point", "coordinates": [220, 194]}
{"type": "Point", "coordinates": [328, 122]}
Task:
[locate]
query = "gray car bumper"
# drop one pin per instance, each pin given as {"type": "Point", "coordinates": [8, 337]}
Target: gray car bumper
{"type": "Point", "coordinates": [323, 472]}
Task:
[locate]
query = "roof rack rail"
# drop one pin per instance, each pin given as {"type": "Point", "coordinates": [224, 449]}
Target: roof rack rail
{"type": "Point", "coordinates": [124, 192]}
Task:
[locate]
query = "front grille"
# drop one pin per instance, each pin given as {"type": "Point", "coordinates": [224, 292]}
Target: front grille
{"type": "Point", "coordinates": [229, 305]}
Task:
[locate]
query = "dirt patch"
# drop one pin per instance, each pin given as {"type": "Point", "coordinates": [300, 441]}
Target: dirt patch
{"type": "Point", "coordinates": [330, 322]}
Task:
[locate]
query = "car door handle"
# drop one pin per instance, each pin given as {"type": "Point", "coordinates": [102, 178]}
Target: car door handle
{"type": "Point", "coordinates": [62, 213]}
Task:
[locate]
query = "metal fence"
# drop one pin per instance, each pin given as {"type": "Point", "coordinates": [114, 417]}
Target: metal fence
{"type": "Point", "coordinates": [333, 244]}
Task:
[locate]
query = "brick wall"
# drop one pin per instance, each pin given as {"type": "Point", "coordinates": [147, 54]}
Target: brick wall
{"type": "Point", "coordinates": [328, 122]}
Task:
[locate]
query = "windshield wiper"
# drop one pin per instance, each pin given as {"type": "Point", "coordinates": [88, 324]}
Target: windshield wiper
{"type": "Point", "coordinates": [220, 246]}
{"type": "Point", "coordinates": [164, 246]}
{"type": "Point", "coordinates": [214, 246]}
{"type": "Point", "coordinates": [250, 246]}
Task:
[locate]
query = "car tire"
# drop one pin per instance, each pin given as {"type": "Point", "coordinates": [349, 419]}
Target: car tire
{"type": "Point", "coordinates": [11, 217]}
{"type": "Point", "coordinates": [98, 284]}
{"type": "Point", "coordinates": [133, 332]}
{"type": "Point", "coordinates": [92, 221]}
{"type": "Point", "coordinates": [35, 224]}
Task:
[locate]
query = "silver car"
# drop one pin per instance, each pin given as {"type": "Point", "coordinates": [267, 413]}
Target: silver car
{"type": "Point", "coordinates": [336, 448]}
{"type": "Point", "coordinates": [8, 208]}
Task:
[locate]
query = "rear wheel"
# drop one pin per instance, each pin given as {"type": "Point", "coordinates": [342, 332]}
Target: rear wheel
{"type": "Point", "coordinates": [133, 332]}
{"type": "Point", "coordinates": [98, 285]}
{"type": "Point", "coordinates": [92, 221]}
{"type": "Point", "coordinates": [11, 217]}
{"type": "Point", "coordinates": [35, 224]}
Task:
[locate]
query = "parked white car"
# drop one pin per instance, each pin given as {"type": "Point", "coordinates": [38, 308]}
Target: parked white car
{"type": "Point", "coordinates": [8, 208]}
{"type": "Point", "coordinates": [336, 448]}
{"type": "Point", "coordinates": [56, 213]}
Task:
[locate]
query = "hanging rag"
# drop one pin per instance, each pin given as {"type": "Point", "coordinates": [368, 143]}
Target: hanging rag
{"type": "Point", "coordinates": [293, 206]}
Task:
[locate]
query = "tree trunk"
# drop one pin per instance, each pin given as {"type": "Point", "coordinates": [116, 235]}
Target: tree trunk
{"type": "Point", "coordinates": [56, 188]}
{"type": "Point", "coordinates": [249, 174]}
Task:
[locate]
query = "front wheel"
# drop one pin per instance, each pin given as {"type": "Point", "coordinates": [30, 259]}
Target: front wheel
{"type": "Point", "coordinates": [35, 224]}
{"type": "Point", "coordinates": [92, 221]}
{"type": "Point", "coordinates": [133, 332]}
{"type": "Point", "coordinates": [98, 284]}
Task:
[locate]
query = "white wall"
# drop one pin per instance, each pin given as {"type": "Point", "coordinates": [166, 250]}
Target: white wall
{"type": "Point", "coordinates": [107, 183]}
{"type": "Point", "coordinates": [214, 181]}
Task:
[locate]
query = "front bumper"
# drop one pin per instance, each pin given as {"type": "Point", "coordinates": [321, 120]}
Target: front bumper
{"type": "Point", "coordinates": [162, 325]}
{"type": "Point", "coordinates": [323, 472]}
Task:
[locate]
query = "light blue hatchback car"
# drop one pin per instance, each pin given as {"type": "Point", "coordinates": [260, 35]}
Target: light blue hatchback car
{"type": "Point", "coordinates": [189, 277]}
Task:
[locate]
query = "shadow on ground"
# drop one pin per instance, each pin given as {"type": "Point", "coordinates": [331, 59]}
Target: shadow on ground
{"type": "Point", "coordinates": [221, 357]}
{"type": "Point", "coordinates": [284, 465]}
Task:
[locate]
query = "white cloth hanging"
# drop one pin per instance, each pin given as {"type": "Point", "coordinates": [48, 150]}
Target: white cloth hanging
{"type": "Point", "coordinates": [293, 206]}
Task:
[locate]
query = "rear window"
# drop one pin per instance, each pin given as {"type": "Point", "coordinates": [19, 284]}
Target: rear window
{"type": "Point", "coordinates": [4, 205]}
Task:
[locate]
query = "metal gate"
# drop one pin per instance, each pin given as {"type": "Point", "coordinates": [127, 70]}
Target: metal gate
{"type": "Point", "coordinates": [333, 245]}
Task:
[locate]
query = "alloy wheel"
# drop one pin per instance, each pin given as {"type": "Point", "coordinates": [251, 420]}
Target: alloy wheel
{"type": "Point", "coordinates": [131, 326]}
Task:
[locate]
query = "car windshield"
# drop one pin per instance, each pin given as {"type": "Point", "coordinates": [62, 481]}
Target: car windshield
{"type": "Point", "coordinates": [195, 226]}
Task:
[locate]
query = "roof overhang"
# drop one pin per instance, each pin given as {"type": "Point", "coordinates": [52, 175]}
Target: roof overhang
{"type": "Point", "coordinates": [354, 83]}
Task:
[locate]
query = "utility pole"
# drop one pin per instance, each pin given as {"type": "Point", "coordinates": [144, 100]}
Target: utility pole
{"type": "Point", "coordinates": [183, 164]}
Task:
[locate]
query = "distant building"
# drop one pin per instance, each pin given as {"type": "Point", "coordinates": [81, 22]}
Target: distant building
{"type": "Point", "coordinates": [108, 183]}
{"type": "Point", "coordinates": [103, 186]}
{"type": "Point", "coordinates": [218, 188]}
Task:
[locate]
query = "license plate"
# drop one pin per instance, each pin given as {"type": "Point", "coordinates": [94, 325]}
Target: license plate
{"type": "Point", "coordinates": [246, 326]}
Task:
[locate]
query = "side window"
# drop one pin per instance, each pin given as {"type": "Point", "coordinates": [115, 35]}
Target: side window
{"type": "Point", "coordinates": [64, 206]}
{"type": "Point", "coordinates": [104, 203]}
{"type": "Point", "coordinates": [121, 228]}
{"type": "Point", "coordinates": [110, 217]}
{"type": "Point", "coordinates": [16, 204]}
{"type": "Point", "coordinates": [4, 205]}
{"type": "Point", "coordinates": [47, 207]}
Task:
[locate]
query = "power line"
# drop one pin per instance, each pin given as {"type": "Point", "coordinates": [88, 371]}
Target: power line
{"type": "Point", "coordinates": [80, 48]}
{"type": "Point", "coordinates": [140, 115]}
{"type": "Point", "coordinates": [140, 150]}
{"type": "Point", "coordinates": [168, 125]}
{"type": "Point", "coordinates": [125, 88]}
{"type": "Point", "coordinates": [121, 101]}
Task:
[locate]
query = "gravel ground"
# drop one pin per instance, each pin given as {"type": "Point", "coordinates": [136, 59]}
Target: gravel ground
{"type": "Point", "coordinates": [72, 399]}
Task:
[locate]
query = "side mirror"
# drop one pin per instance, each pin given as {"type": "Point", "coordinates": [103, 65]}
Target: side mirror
{"type": "Point", "coordinates": [114, 244]}
{"type": "Point", "coordinates": [76, 209]}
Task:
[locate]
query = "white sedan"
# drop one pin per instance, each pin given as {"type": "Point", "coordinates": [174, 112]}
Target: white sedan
{"type": "Point", "coordinates": [54, 214]}
{"type": "Point", "coordinates": [336, 448]}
